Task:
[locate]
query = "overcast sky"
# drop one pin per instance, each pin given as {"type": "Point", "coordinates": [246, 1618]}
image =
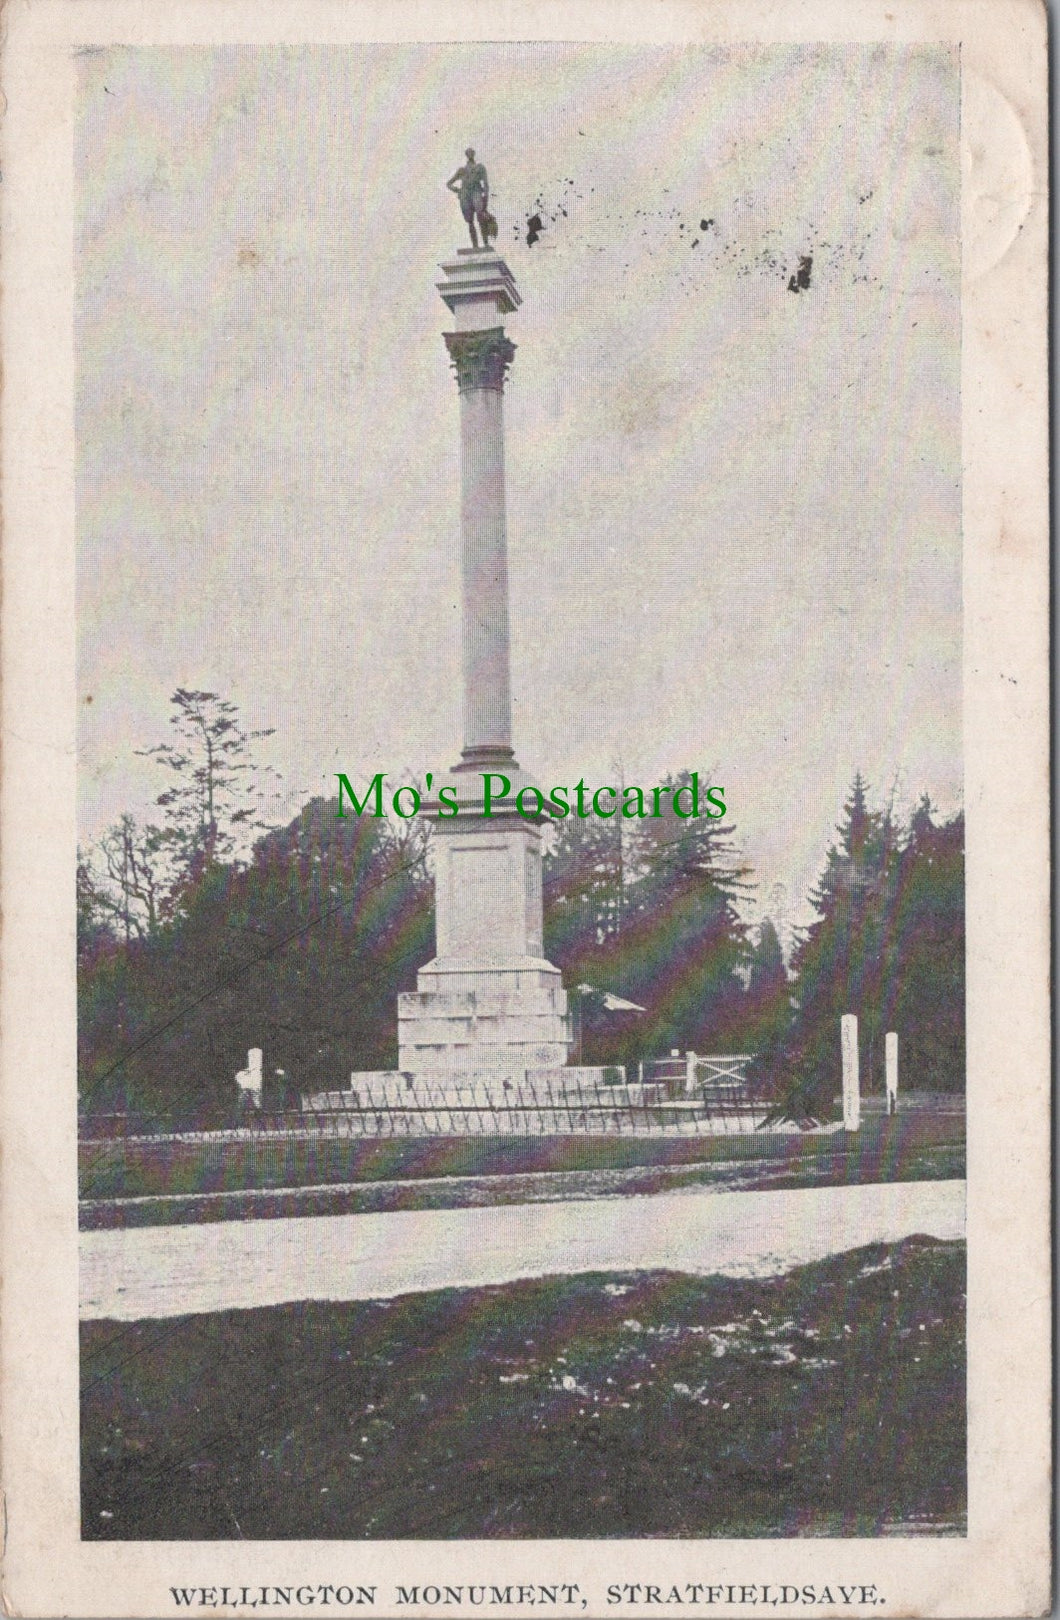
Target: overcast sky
{"type": "Point", "coordinates": [734, 509]}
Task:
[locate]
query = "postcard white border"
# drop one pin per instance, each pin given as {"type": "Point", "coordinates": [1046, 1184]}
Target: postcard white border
{"type": "Point", "coordinates": [1002, 1566]}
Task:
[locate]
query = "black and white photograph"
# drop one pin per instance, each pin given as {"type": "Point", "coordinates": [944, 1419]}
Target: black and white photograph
{"type": "Point", "coordinates": [527, 612]}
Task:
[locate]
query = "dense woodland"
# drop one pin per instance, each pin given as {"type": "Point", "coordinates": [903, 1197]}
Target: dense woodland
{"type": "Point", "coordinates": [206, 931]}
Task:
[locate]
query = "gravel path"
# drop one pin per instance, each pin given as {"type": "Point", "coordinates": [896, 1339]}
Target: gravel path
{"type": "Point", "coordinates": [179, 1270]}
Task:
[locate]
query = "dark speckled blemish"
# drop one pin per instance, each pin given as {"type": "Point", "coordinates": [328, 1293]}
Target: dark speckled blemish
{"type": "Point", "coordinates": [727, 241]}
{"type": "Point", "coordinates": [801, 279]}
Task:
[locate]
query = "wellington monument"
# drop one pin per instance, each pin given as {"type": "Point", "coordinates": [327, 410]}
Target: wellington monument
{"type": "Point", "coordinates": [484, 1039]}
{"type": "Point", "coordinates": [489, 1003]}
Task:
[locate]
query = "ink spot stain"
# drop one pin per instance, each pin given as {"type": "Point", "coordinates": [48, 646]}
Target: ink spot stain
{"type": "Point", "coordinates": [88, 699]}
{"type": "Point", "coordinates": [801, 279]}
{"type": "Point", "coordinates": [534, 227]}
{"type": "Point", "coordinates": [247, 258]}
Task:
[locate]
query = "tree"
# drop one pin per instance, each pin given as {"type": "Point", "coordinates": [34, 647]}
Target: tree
{"type": "Point", "coordinates": [648, 907]}
{"type": "Point", "coordinates": [684, 945]}
{"type": "Point", "coordinates": [584, 905]}
{"type": "Point", "coordinates": [768, 1002]}
{"type": "Point", "coordinates": [582, 891]}
{"type": "Point", "coordinates": [301, 951]}
{"type": "Point", "coordinates": [837, 959]}
{"type": "Point", "coordinates": [887, 944]}
{"type": "Point", "coordinates": [213, 809]}
{"type": "Point", "coordinates": [95, 933]}
{"type": "Point", "coordinates": [134, 881]}
{"type": "Point", "coordinates": [766, 973]}
{"type": "Point", "coordinates": [924, 992]}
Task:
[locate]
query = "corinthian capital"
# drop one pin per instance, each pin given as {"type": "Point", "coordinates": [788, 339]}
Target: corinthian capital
{"type": "Point", "coordinates": [480, 359]}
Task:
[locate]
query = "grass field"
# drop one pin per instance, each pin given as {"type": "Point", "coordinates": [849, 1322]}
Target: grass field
{"type": "Point", "coordinates": [829, 1401]}
{"type": "Point", "coordinates": [225, 1179]}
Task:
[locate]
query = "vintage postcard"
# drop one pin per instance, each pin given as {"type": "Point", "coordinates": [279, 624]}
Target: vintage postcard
{"type": "Point", "coordinates": [525, 921]}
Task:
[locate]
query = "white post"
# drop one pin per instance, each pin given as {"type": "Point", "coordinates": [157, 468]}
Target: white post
{"type": "Point", "coordinates": [690, 1072]}
{"type": "Point", "coordinates": [851, 1091]}
{"type": "Point", "coordinates": [249, 1079]}
{"type": "Point", "coordinates": [891, 1050]}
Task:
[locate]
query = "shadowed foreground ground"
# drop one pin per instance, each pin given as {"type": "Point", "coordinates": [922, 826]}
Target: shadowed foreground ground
{"type": "Point", "coordinates": [829, 1401]}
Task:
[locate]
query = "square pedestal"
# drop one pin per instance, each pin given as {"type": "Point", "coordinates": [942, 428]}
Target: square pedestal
{"type": "Point", "coordinates": [488, 1002]}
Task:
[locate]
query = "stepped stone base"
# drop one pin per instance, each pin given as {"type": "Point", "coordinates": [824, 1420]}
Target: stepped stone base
{"type": "Point", "coordinates": [538, 1089]}
{"type": "Point", "coordinates": [467, 1018]}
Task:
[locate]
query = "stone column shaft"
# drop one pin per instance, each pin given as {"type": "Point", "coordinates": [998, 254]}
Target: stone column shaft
{"type": "Point", "coordinates": [487, 679]}
{"type": "Point", "coordinates": [481, 357]}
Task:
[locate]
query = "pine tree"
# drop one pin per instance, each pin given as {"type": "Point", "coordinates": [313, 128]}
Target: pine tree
{"type": "Point", "coordinates": [924, 992]}
{"type": "Point", "coordinates": [582, 891]}
{"type": "Point", "coordinates": [768, 1002]}
{"type": "Point", "coordinates": [685, 946]}
{"type": "Point", "coordinates": [887, 945]}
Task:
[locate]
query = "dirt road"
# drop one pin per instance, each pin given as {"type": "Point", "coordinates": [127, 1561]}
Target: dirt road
{"type": "Point", "coordinates": [177, 1270]}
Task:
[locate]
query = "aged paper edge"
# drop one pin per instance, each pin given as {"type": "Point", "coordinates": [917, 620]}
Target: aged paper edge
{"type": "Point", "coordinates": [1003, 1566]}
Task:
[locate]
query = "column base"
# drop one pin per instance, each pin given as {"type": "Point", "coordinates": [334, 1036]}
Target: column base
{"type": "Point", "coordinates": [470, 1017]}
